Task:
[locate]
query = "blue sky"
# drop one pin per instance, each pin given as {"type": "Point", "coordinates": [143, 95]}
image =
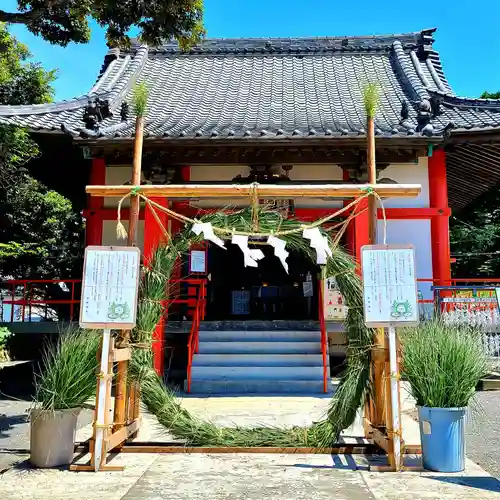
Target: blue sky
{"type": "Point", "coordinates": [467, 37]}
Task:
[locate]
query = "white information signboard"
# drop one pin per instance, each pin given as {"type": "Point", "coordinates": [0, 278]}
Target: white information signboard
{"type": "Point", "coordinates": [198, 261]}
{"type": "Point", "coordinates": [390, 285]}
{"type": "Point", "coordinates": [110, 287]}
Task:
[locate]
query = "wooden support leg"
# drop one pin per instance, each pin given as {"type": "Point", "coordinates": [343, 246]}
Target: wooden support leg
{"type": "Point", "coordinates": [388, 405]}
{"type": "Point", "coordinates": [378, 383]}
{"type": "Point", "coordinates": [121, 389]}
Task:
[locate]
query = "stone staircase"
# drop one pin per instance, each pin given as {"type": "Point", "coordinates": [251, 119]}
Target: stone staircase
{"type": "Point", "coordinates": [258, 362]}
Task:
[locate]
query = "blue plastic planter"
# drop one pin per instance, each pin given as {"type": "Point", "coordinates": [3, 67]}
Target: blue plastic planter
{"type": "Point", "coordinates": [442, 433]}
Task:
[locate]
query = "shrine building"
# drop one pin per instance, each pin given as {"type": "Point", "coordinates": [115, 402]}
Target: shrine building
{"type": "Point", "coordinates": [274, 110]}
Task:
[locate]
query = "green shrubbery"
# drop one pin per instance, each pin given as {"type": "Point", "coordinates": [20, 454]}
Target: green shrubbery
{"type": "Point", "coordinates": [5, 335]}
{"type": "Point", "coordinates": [443, 363]}
{"type": "Point", "coordinates": [67, 378]}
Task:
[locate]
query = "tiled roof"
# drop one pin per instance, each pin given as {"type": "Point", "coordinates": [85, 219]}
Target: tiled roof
{"type": "Point", "coordinates": [269, 89]}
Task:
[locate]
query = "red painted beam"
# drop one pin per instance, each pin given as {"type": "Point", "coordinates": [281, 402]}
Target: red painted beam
{"type": "Point", "coordinates": [306, 214]}
{"type": "Point", "coordinates": [413, 213]}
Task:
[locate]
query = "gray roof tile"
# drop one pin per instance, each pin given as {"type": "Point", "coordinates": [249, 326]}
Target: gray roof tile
{"type": "Point", "coordinates": [270, 89]}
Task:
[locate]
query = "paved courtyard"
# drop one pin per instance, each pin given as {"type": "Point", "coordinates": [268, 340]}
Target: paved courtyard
{"type": "Point", "coordinates": [246, 476]}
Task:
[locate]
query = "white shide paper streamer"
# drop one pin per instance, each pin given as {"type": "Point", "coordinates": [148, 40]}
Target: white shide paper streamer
{"type": "Point", "coordinates": [250, 256]}
{"type": "Point", "coordinates": [320, 243]}
{"type": "Point", "coordinates": [208, 233]}
{"type": "Point", "coordinates": [279, 250]}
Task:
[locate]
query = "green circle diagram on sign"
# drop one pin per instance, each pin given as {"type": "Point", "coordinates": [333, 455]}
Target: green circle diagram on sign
{"type": "Point", "coordinates": [119, 311]}
{"type": "Point", "coordinates": [401, 309]}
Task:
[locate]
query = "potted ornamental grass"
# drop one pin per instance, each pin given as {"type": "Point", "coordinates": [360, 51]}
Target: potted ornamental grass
{"type": "Point", "coordinates": [443, 364]}
{"type": "Point", "coordinates": [65, 383]}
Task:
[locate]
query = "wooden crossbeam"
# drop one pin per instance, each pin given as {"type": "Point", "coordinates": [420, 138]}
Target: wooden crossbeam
{"type": "Point", "coordinates": [263, 190]}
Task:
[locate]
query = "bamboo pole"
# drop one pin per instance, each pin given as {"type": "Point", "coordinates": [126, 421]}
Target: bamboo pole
{"type": "Point", "coordinates": [120, 414]}
{"type": "Point", "coordinates": [372, 179]}
{"type": "Point", "coordinates": [377, 408]}
{"type": "Point", "coordinates": [186, 191]}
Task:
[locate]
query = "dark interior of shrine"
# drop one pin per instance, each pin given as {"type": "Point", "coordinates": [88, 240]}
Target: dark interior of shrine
{"type": "Point", "coordinates": [266, 292]}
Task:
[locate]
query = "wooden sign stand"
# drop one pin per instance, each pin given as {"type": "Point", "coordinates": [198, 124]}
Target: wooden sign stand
{"type": "Point", "coordinates": [104, 439]}
{"type": "Point", "coordinates": [109, 300]}
{"type": "Point", "coordinates": [390, 299]}
{"type": "Point", "coordinates": [389, 437]}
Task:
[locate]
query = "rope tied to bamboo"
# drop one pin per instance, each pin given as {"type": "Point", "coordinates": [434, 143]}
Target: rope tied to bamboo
{"type": "Point", "coordinates": [121, 232]}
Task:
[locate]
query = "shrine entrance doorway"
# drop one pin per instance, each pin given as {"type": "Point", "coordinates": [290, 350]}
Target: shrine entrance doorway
{"type": "Point", "coordinates": [266, 292]}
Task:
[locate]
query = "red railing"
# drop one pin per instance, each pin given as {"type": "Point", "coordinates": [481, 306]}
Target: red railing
{"type": "Point", "coordinates": [324, 336]}
{"type": "Point", "coordinates": [197, 289]}
{"type": "Point", "coordinates": [194, 337]}
{"type": "Point", "coordinates": [26, 294]}
{"type": "Point", "coordinates": [25, 297]}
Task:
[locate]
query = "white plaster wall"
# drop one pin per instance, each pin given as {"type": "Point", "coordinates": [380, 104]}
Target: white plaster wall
{"type": "Point", "coordinates": [409, 173]}
{"type": "Point", "coordinates": [207, 173]}
{"type": "Point", "coordinates": [117, 175]}
{"type": "Point", "coordinates": [109, 234]}
{"type": "Point", "coordinates": [418, 234]}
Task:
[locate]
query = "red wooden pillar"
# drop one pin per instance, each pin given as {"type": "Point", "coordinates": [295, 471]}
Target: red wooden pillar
{"type": "Point", "coordinates": [94, 218]}
{"type": "Point", "coordinates": [361, 232]}
{"type": "Point", "coordinates": [153, 237]}
{"type": "Point", "coordinates": [153, 233]}
{"type": "Point", "coordinates": [350, 230]}
{"type": "Point", "coordinates": [177, 206]}
{"type": "Point", "coordinates": [440, 233]}
{"type": "Point", "coordinates": [176, 227]}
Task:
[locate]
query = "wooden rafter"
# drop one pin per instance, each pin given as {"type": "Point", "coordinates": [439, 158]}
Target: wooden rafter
{"type": "Point", "coordinates": [263, 190]}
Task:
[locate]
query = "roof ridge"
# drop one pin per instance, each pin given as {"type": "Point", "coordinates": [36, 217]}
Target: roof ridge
{"type": "Point", "coordinates": [467, 102]}
{"type": "Point", "coordinates": [293, 44]}
{"type": "Point", "coordinates": [49, 107]}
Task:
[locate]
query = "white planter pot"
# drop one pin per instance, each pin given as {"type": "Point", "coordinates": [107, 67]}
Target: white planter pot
{"type": "Point", "coordinates": [52, 437]}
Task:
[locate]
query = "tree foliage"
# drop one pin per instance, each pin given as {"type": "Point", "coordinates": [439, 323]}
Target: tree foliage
{"type": "Point", "coordinates": [40, 234]}
{"type": "Point", "coordinates": [21, 82]}
{"type": "Point", "coordinates": [475, 237]}
{"type": "Point", "coordinates": [475, 232]}
{"type": "Point", "coordinates": [490, 95]}
{"type": "Point", "coordinates": [64, 21]}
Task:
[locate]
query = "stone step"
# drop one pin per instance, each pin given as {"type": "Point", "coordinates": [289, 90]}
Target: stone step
{"type": "Point", "coordinates": [216, 387]}
{"type": "Point", "coordinates": [260, 336]}
{"type": "Point", "coordinates": [265, 374]}
{"type": "Point", "coordinates": [258, 325]}
{"type": "Point", "coordinates": [239, 347]}
{"type": "Point", "coordinates": [258, 360]}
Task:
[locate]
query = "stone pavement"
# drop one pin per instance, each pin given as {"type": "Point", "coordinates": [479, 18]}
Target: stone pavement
{"type": "Point", "coordinates": [249, 476]}
{"type": "Point", "coordinates": [245, 476]}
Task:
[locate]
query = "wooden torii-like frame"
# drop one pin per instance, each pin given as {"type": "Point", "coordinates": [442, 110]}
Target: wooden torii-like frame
{"type": "Point", "coordinates": [378, 422]}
